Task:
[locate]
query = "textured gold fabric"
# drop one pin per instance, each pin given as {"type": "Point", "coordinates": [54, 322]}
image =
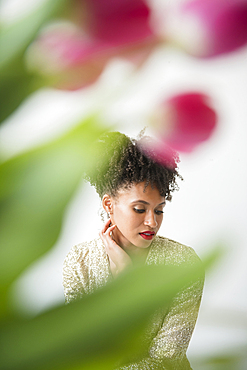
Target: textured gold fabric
{"type": "Point", "coordinates": [86, 268]}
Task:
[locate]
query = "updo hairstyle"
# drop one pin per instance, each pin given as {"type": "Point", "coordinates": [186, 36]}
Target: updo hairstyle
{"type": "Point", "coordinates": [123, 162]}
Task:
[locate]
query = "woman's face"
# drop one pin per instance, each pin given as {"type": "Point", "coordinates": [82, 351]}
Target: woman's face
{"type": "Point", "coordinates": [137, 214]}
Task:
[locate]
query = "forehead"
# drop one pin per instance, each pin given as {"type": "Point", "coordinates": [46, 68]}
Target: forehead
{"type": "Point", "coordinates": [138, 191]}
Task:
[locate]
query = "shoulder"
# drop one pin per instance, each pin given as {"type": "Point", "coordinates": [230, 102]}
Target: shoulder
{"type": "Point", "coordinates": [168, 251]}
{"type": "Point", "coordinates": [82, 251]}
{"type": "Point", "coordinates": [85, 269]}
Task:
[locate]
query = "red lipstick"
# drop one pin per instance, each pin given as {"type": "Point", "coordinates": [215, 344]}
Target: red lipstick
{"type": "Point", "coordinates": [147, 235]}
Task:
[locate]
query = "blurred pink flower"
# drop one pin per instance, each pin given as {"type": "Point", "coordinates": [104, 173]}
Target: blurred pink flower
{"type": "Point", "coordinates": [159, 151]}
{"type": "Point", "coordinates": [119, 22]}
{"type": "Point", "coordinates": [179, 124]}
{"type": "Point", "coordinates": [75, 56]}
{"type": "Point", "coordinates": [207, 28]}
{"type": "Point", "coordinates": [66, 56]}
{"type": "Point", "coordinates": [185, 121]}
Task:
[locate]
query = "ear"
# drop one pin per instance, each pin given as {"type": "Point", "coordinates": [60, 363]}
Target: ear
{"type": "Point", "coordinates": [107, 203]}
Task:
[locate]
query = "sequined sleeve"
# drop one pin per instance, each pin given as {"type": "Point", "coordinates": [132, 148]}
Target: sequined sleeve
{"type": "Point", "coordinates": [85, 269]}
{"type": "Point", "coordinates": [75, 275]}
{"type": "Point", "coordinates": [168, 347]}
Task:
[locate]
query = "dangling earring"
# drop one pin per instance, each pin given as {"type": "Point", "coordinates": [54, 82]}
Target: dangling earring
{"type": "Point", "coordinates": [103, 215]}
{"type": "Point", "coordinates": [108, 214]}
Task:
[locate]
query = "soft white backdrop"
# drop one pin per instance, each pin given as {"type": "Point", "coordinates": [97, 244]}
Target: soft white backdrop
{"type": "Point", "coordinates": [209, 209]}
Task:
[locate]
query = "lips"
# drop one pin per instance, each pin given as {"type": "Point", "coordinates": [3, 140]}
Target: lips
{"type": "Point", "coordinates": [147, 235]}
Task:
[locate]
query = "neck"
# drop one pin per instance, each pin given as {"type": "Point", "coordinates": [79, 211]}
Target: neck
{"type": "Point", "coordinates": [137, 255]}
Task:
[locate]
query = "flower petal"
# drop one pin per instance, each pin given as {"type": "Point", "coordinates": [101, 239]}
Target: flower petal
{"type": "Point", "coordinates": [210, 28]}
{"type": "Point", "coordinates": [73, 57]}
{"type": "Point", "coordinates": [186, 120]}
{"type": "Point", "coordinates": [119, 22]}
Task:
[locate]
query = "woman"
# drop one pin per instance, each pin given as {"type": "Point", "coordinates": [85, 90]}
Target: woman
{"type": "Point", "coordinates": [134, 188]}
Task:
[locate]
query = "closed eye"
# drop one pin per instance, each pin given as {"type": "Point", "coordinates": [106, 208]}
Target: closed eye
{"type": "Point", "coordinates": [137, 210]}
{"type": "Point", "coordinates": [159, 212]}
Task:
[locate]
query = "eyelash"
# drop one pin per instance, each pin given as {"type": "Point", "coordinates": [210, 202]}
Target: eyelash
{"type": "Point", "coordinates": [143, 210]}
{"type": "Point", "coordinates": [139, 210]}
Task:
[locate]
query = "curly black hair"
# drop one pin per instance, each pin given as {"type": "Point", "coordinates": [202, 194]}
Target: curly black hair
{"type": "Point", "coordinates": [124, 161]}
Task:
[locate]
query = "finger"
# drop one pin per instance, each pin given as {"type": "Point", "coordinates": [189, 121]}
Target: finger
{"type": "Point", "coordinates": [110, 229]}
{"type": "Point", "coordinates": [106, 236]}
{"type": "Point", "coordinates": [106, 225]}
{"type": "Point", "coordinates": [107, 233]}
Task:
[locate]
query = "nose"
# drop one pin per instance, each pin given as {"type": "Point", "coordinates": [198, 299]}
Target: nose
{"type": "Point", "coordinates": [150, 220]}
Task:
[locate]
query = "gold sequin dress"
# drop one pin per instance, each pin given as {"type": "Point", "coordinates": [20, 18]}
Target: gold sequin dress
{"type": "Point", "coordinates": [86, 268]}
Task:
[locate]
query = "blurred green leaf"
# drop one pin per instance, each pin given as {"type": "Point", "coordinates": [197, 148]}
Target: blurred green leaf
{"type": "Point", "coordinates": [15, 38]}
{"type": "Point", "coordinates": [16, 83]}
{"type": "Point", "coordinates": [100, 327]}
{"type": "Point", "coordinates": [216, 254]}
{"type": "Point", "coordinates": [236, 360]}
{"type": "Point", "coordinates": [35, 189]}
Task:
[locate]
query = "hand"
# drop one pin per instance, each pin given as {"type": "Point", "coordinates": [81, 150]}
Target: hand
{"type": "Point", "coordinates": [118, 258]}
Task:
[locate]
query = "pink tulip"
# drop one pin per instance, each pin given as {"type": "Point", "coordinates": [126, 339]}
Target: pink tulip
{"type": "Point", "coordinates": [186, 120]}
{"type": "Point", "coordinates": [74, 57]}
{"type": "Point", "coordinates": [159, 152]}
{"type": "Point", "coordinates": [181, 123]}
{"type": "Point", "coordinates": [119, 22]}
{"type": "Point", "coordinates": [207, 28]}
{"type": "Point", "coordinates": [66, 56]}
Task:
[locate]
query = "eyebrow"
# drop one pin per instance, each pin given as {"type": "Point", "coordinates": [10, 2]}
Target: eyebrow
{"type": "Point", "coordinates": [144, 202]}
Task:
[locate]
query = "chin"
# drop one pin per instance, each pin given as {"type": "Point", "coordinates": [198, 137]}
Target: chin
{"type": "Point", "coordinates": [137, 242]}
{"type": "Point", "coordinates": [143, 244]}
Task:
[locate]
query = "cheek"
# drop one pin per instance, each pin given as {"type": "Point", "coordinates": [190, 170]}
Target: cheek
{"type": "Point", "coordinates": [123, 226]}
{"type": "Point", "coordinates": [126, 220]}
{"type": "Point", "coordinates": [120, 218]}
{"type": "Point", "coordinates": [160, 221]}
